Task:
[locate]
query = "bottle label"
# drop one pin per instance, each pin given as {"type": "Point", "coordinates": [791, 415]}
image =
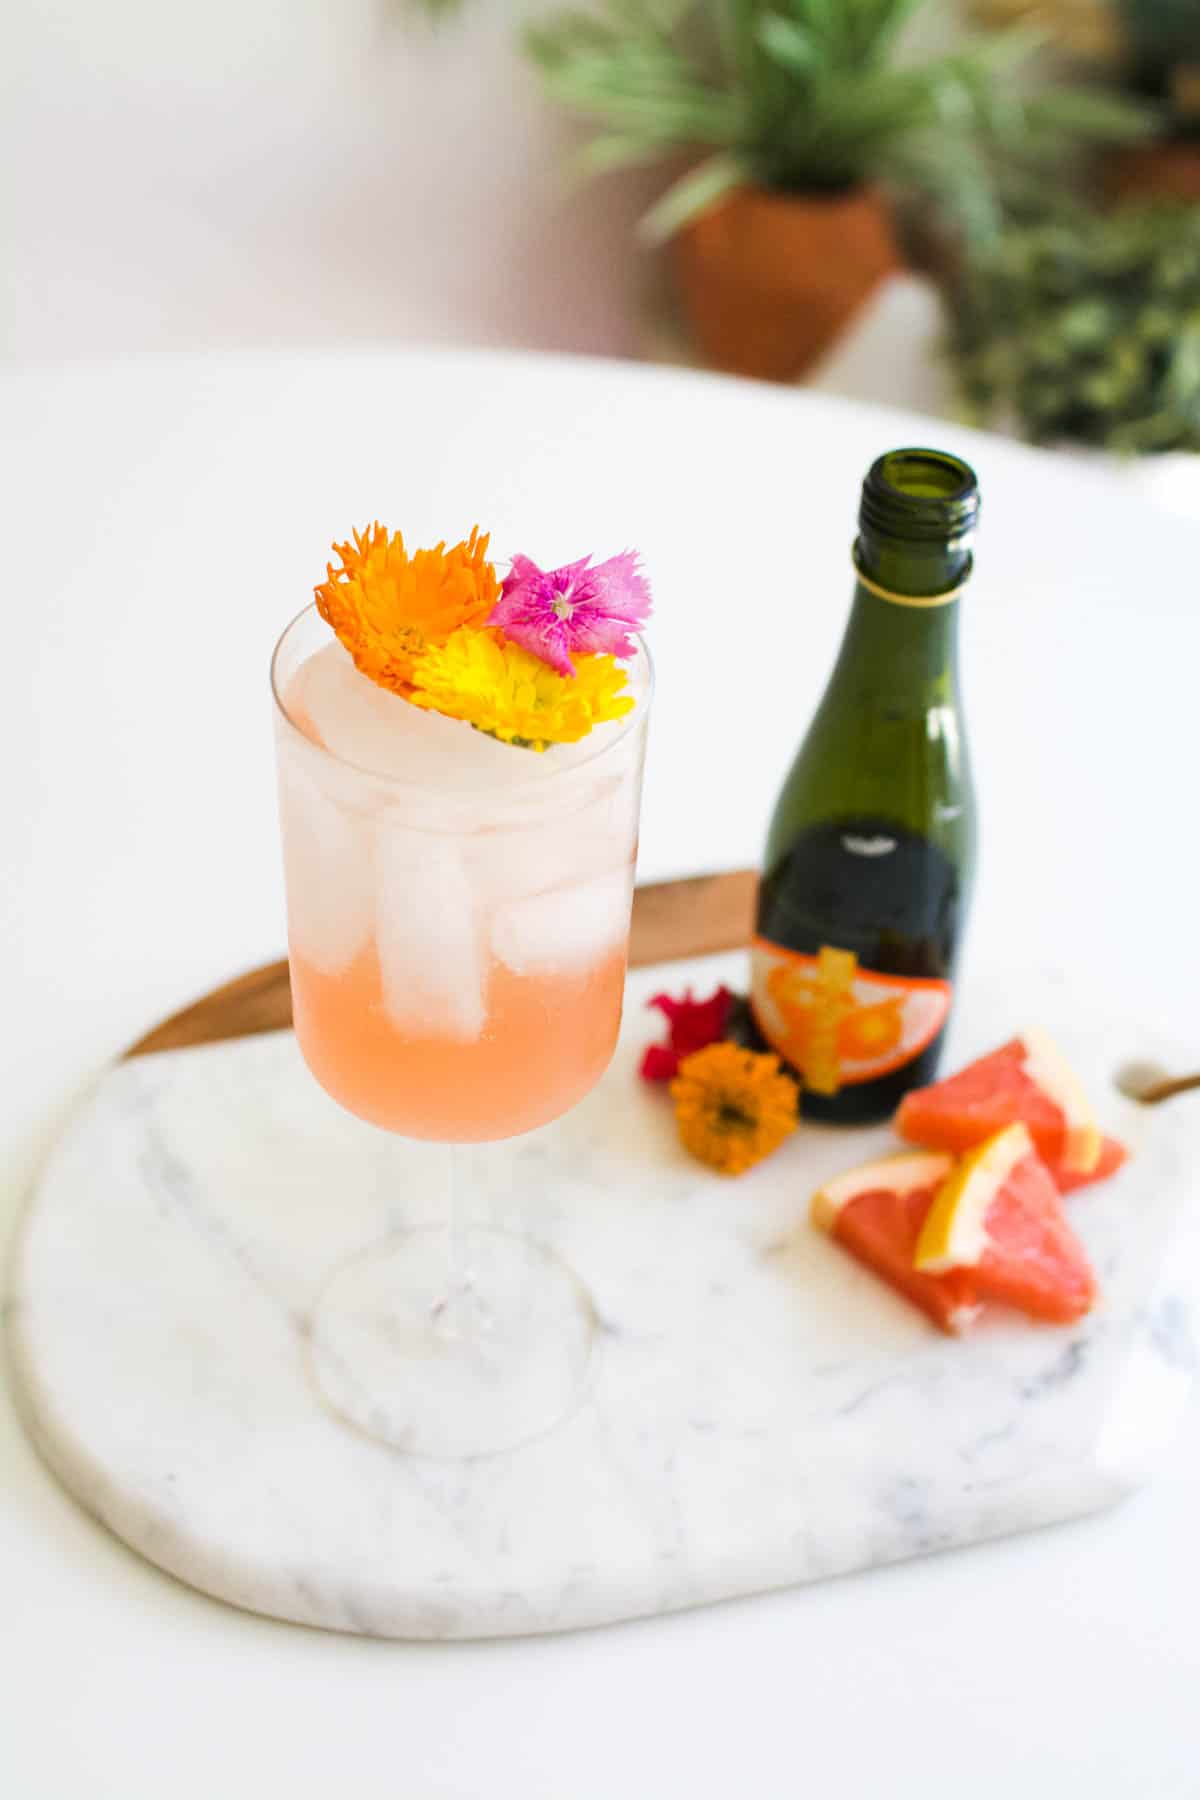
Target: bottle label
{"type": "Point", "coordinates": [839, 1024]}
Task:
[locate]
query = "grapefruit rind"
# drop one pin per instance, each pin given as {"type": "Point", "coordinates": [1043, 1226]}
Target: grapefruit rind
{"type": "Point", "coordinates": [962, 1318]}
{"type": "Point", "coordinates": [874, 1212]}
{"type": "Point", "coordinates": [1046, 1066]}
{"type": "Point", "coordinates": [955, 1235]}
{"type": "Point", "coordinates": [899, 1174]}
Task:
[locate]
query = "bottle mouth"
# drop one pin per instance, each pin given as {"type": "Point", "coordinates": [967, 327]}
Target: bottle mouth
{"type": "Point", "coordinates": [920, 496]}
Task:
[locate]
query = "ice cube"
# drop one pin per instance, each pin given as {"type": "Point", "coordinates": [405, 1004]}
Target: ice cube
{"type": "Point", "coordinates": [585, 828]}
{"type": "Point", "coordinates": [511, 865]}
{"type": "Point", "coordinates": [379, 731]}
{"type": "Point", "coordinates": [329, 865]}
{"type": "Point", "coordinates": [431, 953]}
{"type": "Point", "coordinates": [564, 931]}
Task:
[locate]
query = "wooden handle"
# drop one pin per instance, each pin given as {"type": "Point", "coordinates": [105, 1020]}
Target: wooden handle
{"type": "Point", "coordinates": [671, 920]}
{"type": "Point", "coordinates": [1166, 1090]}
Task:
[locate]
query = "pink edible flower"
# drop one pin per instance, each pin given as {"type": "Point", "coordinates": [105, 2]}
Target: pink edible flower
{"type": "Point", "coordinates": [575, 608]}
{"type": "Point", "coordinates": [692, 1025]}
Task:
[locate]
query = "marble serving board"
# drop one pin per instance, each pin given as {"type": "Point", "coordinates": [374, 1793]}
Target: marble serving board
{"type": "Point", "coordinates": [761, 1412]}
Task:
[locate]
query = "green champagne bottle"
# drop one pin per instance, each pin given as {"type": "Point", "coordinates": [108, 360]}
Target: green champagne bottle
{"type": "Point", "coordinates": [869, 858]}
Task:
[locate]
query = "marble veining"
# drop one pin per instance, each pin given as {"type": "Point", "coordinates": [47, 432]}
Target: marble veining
{"type": "Point", "coordinates": [762, 1412]}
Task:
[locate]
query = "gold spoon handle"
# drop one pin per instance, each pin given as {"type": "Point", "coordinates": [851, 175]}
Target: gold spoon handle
{"type": "Point", "coordinates": [1165, 1090]}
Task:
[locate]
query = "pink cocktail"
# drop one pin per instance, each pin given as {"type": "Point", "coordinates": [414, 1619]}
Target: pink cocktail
{"type": "Point", "coordinates": [458, 919]}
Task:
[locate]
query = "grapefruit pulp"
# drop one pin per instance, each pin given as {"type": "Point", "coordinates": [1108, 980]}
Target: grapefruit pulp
{"type": "Point", "coordinates": [998, 1219]}
{"type": "Point", "coordinates": [1024, 1082]}
{"type": "Point", "coordinates": [876, 1213]}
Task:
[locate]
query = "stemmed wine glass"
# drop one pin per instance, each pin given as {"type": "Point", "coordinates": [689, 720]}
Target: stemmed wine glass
{"type": "Point", "coordinates": [458, 920]}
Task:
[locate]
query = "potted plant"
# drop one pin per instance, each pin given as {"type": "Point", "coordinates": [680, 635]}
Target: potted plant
{"type": "Point", "coordinates": [1148, 47]}
{"type": "Point", "coordinates": [1163, 57]}
{"type": "Point", "coordinates": [799, 120]}
{"type": "Point", "coordinates": [1085, 329]}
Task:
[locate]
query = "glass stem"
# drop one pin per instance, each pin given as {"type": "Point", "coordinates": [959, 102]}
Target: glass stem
{"type": "Point", "coordinates": [457, 1275]}
{"type": "Point", "coordinates": [453, 1311]}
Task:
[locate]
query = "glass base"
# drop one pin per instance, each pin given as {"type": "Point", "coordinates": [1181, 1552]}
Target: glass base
{"type": "Point", "coordinates": [453, 1344]}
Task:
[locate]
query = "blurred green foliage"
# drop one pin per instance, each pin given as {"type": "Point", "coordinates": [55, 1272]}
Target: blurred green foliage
{"type": "Point", "coordinates": [1162, 34]}
{"type": "Point", "coordinates": [1087, 329]}
{"type": "Point", "coordinates": [436, 9]}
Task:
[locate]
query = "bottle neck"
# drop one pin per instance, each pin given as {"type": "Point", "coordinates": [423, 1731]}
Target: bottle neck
{"type": "Point", "coordinates": [897, 656]}
{"type": "Point", "coordinates": [912, 571]}
{"type": "Point", "coordinates": [887, 741]}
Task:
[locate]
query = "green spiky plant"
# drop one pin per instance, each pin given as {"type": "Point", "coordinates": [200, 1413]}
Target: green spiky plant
{"type": "Point", "coordinates": [809, 96]}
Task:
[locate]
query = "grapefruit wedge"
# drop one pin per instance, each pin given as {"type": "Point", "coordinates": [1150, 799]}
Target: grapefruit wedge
{"type": "Point", "coordinates": [876, 1213]}
{"type": "Point", "coordinates": [1027, 1082]}
{"type": "Point", "coordinates": [998, 1220]}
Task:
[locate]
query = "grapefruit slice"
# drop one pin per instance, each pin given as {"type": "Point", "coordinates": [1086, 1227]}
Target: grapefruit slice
{"type": "Point", "coordinates": [1112, 1155]}
{"type": "Point", "coordinates": [998, 1218]}
{"type": "Point", "coordinates": [1028, 1082]}
{"type": "Point", "coordinates": [876, 1213]}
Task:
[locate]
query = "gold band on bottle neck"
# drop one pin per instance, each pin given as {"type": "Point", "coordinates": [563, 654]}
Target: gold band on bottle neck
{"type": "Point", "coordinates": [922, 600]}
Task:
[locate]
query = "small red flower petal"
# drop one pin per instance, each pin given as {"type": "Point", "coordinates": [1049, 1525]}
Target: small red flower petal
{"type": "Point", "coordinates": [695, 1024]}
{"type": "Point", "coordinates": [692, 1025]}
{"type": "Point", "coordinates": [659, 1064]}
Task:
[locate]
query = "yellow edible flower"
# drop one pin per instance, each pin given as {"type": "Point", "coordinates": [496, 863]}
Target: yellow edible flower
{"type": "Point", "coordinates": [497, 686]}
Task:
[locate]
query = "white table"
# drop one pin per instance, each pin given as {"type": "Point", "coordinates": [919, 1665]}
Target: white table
{"type": "Point", "coordinates": [165, 518]}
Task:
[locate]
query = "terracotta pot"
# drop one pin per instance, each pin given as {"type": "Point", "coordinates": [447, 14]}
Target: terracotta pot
{"type": "Point", "coordinates": [1165, 171]}
{"type": "Point", "coordinates": [769, 280]}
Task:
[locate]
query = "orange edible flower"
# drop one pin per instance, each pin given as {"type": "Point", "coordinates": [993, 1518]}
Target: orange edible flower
{"type": "Point", "coordinates": [388, 607]}
{"type": "Point", "coordinates": [733, 1106]}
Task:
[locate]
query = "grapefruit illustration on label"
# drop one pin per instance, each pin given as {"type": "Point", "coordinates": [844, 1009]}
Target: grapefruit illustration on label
{"type": "Point", "coordinates": [840, 1024]}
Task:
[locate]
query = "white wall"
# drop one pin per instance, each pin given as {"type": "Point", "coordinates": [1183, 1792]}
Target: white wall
{"type": "Point", "coordinates": [208, 172]}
